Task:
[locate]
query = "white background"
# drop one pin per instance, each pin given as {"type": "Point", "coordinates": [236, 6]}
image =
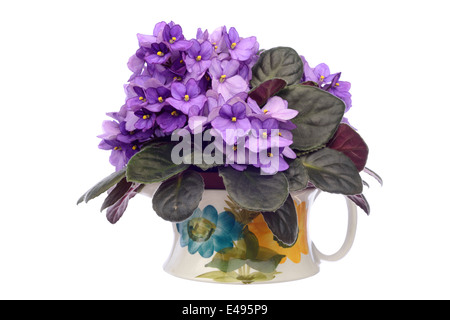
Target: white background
{"type": "Point", "coordinates": [63, 66]}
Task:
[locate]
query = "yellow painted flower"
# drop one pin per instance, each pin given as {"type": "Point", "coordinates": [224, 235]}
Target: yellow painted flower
{"type": "Point", "coordinates": [265, 236]}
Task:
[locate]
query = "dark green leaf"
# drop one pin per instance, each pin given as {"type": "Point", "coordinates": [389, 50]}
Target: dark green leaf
{"type": "Point", "coordinates": [102, 186]}
{"type": "Point", "coordinates": [332, 171]}
{"type": "Point", "coordinates": [284, 223]}
{"type": "Point", "coordinates": [266, 261]}
{"type": "Point", "coordinates": [177, 198]}
{"type": "Point", "coordinates": [320, 114]}
{"type": "Point", "coordinates": [350, 143]}
{"type": "Point", "coordinates": [281, 62]}
{"type": "Point", "coordinates": [266, 90]}
{"type": "Point", "coordinates": [297, 175]}
{"type": "Point", "coordinates": [153, 164]}
{"type": "Point", "coordinates": [253, 191]}
{"type": "Point", "coordinates": [117, 193]}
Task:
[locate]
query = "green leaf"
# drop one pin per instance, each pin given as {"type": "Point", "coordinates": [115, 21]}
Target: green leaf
{"type": "Point", "coordinates": [320, 114]}
{"type": "Point", "coordinates": [266, 261]}
{"type": "Point", "coordinates": [153, 164]}
{"type": "Point", "coordinates": [284, 223]}
{"type": "Point", "coordinates": [332, 171]}
{"type": "Point", "coordinates": [228, 259]}
{"type": "Point", "coordinates": [281, 62]}
{"type": "Point", "coordinates": [102, 186]}
{"type": "Point", "coordinates": [297, 175]}
{"type": "Point", "coordinates": [253, 191]}
{"type": "Point", "coordinates": [177, 198]}
{"type": "Point", "coordinates": [220, 276]}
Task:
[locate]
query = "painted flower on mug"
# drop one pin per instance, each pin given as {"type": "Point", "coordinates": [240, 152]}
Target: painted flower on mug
{"type": "Point", "coordinates": [266, 239]}
{"type": "Point", "coordinates": [207, 231]}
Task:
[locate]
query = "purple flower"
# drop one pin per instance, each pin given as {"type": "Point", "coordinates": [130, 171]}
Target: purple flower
{"type": "Point", "coordinates": [225, 79]}
{"type": "Point", "coordinates": [156, 97]}
{"type": "Point", "coordinates": [240, 49]}
{"type": "Point", "coordinates": [171, 119]}
{"type": "Point", "coordinates": [158, 54]}
{"type": "Point", "coordinates": [186, 96]}
{"type": "Point", "coordinates": [173, 36]}
{"type": "Point", "coordinates": [268, 135]}
{"type": "Point", "coordinates": [138, 101]}
{"type": "Point", "coordinates": [341, 90]}
{"type": "Point", "coordinates": [232, 122]}
{"type": "Point", "coordinates": [275, 108]}
{"type": "Point", "coordinates": [198, 58]}
{"type": "Point", "coordinates": [146, 119]}
{"type": "Point", "coordinates": [120, 152]}
{"type": "Point", "coordinates": [271, 162]}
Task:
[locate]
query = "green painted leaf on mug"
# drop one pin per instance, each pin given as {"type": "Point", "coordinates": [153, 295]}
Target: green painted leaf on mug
{"type": "Point", "coordinates": [332, 171]}
{"type": "Point", "coordinates": [178, 197]}
{"type": "Point", "coordinates": [102, 186]}
{"type": "Point", "coordinates": [266, 261]}
{"type": "Point", "coordinates": [320, 114]}
{"type": "Point", "coordinates": [281, 62]}
{"type": "Point", "coordinates": [253, 191]}
{"type": "Point", "coordinates": [153, 164]}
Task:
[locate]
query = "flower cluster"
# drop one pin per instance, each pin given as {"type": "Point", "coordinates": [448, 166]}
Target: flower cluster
{"type": "Point", "coordinates": [180, 84]}
{"type": "Point", "coordinates": [322, 77]}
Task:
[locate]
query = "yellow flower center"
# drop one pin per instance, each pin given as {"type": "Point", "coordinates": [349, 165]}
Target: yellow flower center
{"type": "Point", "coordinates": [270, 155]}
{"type": "Point", "coordinates": [234, 119]}
{"type": "Point", "coordinates": [160, 54]}
{"type": "Point", "coordinates": [222, 78]}
{"type": "Point", "coordinates": [337, 84]}
{"type": "Point", "coordinates": [265, 110]}
{"type": "Point", "coordinates": [145, 117]}
{"type": "Point", "coordinates": [134, 147]}
{"type": "Point", "coordinates": [198, 58]}
{"type": "Point", "coordinates": [186, 98]}
{"type": "Point", "coordinates": [174, 113]}
{"type": "Point", "coordinates": [160, 100]}
{"type": "Point", "coordinates": [321, 78]}
{"type": "Point", "coordinates": [264, 135]}
{"type": "Point", "coordinates": [117, 148]}
{"type": "Point", "coordinates": [233, 45]}
{"type": "Point", "coordinates": [173, 40]}
{"type": "Point", "coordinates": [142, 99]}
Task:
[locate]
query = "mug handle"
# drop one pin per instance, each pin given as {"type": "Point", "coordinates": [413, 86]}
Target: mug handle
{"type": "Point", "coordinates": [348, 242]}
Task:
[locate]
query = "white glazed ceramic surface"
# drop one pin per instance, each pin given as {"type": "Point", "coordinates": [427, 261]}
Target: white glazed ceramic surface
{"type": "Point", "coordinates": [300, 261]}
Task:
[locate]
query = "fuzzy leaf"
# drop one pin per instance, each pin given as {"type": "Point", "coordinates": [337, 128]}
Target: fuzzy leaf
{"type": "Point", "coordinates": [320, 114]}
{"type": "Point", "coordinates": [284, 223]}
{"type": "Point", "coordinates": [153, 164]}
{"type": "Point", "coordinates": [281, 62]}
{"type": "Point", "coordinates": [350, 143]}
{"type": "Point", "coordinates": [177, 198]}
{"type": "Point", "coordinates": [102, 186]}
{"type": "Point", "coordinates": [332, 171]}
{"type": "Point", "coordinates": [266, 90]}
{"type": "Point", "coordinates": [253, 191]}
{"type": "Point", "coordinates": [297, 175]}
{"type": "Point", "coordinates": [117, 193]}
{"type": "Point", "coordinates": [116, 211]}
{"type": "Point", "coordinates": [361, 202]}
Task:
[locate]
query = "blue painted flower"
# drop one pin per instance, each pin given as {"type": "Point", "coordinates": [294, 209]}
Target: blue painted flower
{"type": "Point", "coordinates": [207, 231]}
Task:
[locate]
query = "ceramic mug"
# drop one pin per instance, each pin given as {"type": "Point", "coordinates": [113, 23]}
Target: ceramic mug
{"type": "Point", "coordinates": [223, 243]}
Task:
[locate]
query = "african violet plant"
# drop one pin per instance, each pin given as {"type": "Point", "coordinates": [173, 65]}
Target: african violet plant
{"type": "Point", "coordinates": [269, 124]}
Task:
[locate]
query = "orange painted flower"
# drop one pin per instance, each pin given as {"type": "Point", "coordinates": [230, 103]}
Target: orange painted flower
{"type": "Point", "coordinates": [265, 236]}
